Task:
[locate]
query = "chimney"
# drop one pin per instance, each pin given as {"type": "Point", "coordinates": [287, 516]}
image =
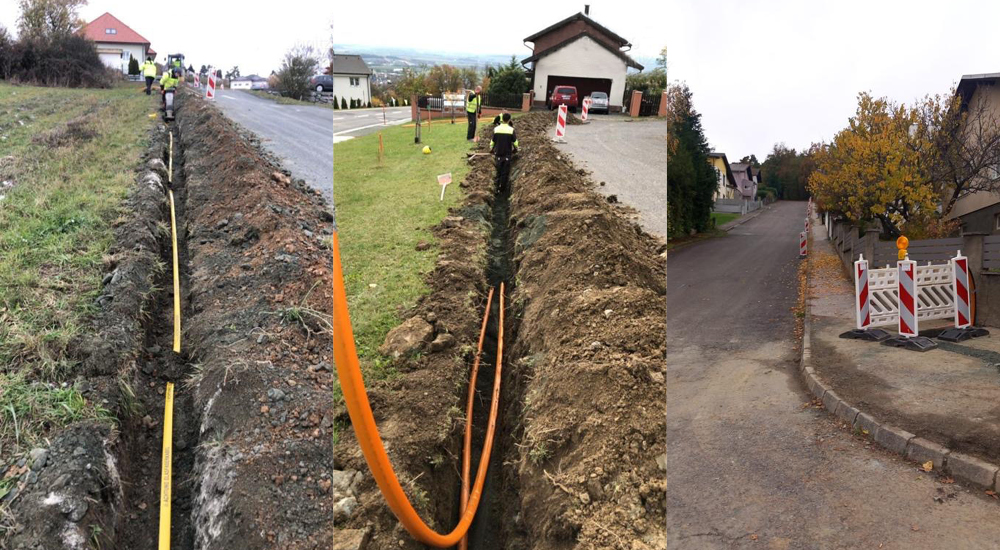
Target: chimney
{"type": "Point", "coordinates": [586, 10]}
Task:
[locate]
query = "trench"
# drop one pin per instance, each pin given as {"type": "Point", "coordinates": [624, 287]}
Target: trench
{"type": "Point", "coordinates": [493, 525]}
{"type": "Point", "coordinates": [142, 429]}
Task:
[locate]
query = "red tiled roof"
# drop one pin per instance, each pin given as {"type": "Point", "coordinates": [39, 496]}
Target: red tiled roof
{"type": "Point", "coordinates": [95, 30]}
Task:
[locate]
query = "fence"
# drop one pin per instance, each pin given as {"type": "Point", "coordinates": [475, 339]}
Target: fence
{"type": "Point", "coordinates": [736, 206]}
{"type": "Point", "coordinates": [650, 105]}
{"type": "Point", "coordinates": [503, 101]}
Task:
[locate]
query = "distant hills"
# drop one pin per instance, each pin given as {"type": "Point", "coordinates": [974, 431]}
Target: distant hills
{"type": "Point", "coordinates": [386, 59]}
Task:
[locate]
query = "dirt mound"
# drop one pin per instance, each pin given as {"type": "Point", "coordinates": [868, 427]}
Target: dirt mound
{"type": "Point", "coordinates": [78, 130]}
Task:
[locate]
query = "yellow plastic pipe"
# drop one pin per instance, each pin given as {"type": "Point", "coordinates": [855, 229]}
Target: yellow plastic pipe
{"type": "Point", "coordinates": [166, 468]}
{"type": "Point", "coordinates": [177, 278]}
{"type": "Point", "coordinates": [358, 407]}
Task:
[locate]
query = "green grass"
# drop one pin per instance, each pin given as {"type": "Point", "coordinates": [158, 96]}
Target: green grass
{"type": "Point", "coordinates": [382, 213]}
{"type": "Point", "coordinates": [287, 100]}
{"type": "Point", "coordinates": [55, 229]}
{"type": "Point", "coordinates": [723, 217]}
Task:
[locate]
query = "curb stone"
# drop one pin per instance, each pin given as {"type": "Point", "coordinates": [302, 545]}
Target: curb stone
{"type": "Point", "coordinates": [897, 440]}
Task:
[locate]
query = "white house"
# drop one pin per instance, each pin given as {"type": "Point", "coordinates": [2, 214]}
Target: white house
{"type": "Point", "coordinates": [578, 51]}
{"type": "Point", "coordinates": [351, 78]}
{"type": "Point", "coordinates": [250, 82]}
{"type": "Point", "coordinates": [116, 42]}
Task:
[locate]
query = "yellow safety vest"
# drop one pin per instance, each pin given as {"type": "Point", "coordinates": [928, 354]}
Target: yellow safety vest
{"type": "Point", "coordinates": [472, 105]}
{"type": "Point", "coordinates": [149, 69]}
{"type": "Point", "coordinates": [168, 81]}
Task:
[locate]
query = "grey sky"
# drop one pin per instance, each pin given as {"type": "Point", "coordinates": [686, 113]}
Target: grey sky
{"type": "Point", "coordinates": [253, 35]}
{"type": "Point", "coordinates": [447, 27]}
{"type": "Point", "coordinates": [788, 70]}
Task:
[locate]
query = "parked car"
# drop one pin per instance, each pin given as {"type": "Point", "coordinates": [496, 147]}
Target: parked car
{"type": "Point", "coordinates": [564, 95]}
{"type": "Point", "coordinates": [599, 102]}
{"type": "Point", "coordinates": [321, 83]}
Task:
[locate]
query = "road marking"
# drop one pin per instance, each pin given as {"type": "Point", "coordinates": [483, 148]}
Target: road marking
{"type": "Point", "coordinates": [338, 139]}
{"type": "Point", "coordinates": [393, 123]}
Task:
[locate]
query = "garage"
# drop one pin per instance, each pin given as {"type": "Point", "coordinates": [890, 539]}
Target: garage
{"type": "Point", "coordinates": [584, 86]}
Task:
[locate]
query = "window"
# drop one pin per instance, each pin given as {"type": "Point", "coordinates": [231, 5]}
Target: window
{"type": "Point", "coordinates": [355, 81]}
{"type": "Point", "coordinates": [996, 222]}
{"type": "Point", "coordinates": [110, 31]}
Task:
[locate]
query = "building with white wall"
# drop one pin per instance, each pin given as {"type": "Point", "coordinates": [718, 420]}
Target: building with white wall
{"type": "Point", "coordinates": [116, 42]}
{"type": "Point", "coordinates": [351, 78]}
{"type": "Point", "coordinates": [580, 52]}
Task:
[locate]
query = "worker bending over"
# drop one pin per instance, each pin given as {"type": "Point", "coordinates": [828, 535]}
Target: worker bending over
{"type": "Point", "coordinates": [503, 146]}
{"type": "Point", "coordinates": [169, 81]}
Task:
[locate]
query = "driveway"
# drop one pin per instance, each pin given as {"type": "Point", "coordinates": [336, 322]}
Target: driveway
{"type": "Point", "coordinates": [751, 464]}
{"type": "Point", "coordinates": [630, 157]}
{"type": "Point", "coordinates": [359, 122]}
{"type": "Point", "coordinates": [300, 136]}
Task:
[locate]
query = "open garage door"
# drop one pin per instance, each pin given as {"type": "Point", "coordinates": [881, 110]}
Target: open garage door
{"type": "Point", "coordinates": [584, 86]}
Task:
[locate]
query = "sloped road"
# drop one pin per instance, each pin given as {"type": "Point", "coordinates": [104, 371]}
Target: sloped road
{"type": "Point", "coordinates": [749, 466]}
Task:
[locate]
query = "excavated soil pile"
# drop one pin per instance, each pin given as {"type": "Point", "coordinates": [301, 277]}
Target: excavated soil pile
{"type": "Point", "coordinates": [581, 428]}
{"type": "Point", "coordinates": [589, 361]}
{"type": "Point", "coordinates": [259, 332]}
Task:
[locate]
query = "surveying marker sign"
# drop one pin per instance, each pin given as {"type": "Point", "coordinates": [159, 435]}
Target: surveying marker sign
{"type": "Point", "coordinates": [443, 181]}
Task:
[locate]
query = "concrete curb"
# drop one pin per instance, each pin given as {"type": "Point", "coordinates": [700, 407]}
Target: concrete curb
{"type": "Point", "coordinates": [743, 219]}
{"type": "Point", "coordinates": [969, 469]}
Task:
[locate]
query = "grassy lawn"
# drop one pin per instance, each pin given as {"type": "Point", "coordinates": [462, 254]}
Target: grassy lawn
{"type": "Point", "coordinates": [62, 187]}
{"type": "Point", "coordinates": [287, 100]}
{"type": "Point", "coordinates": [382, 213]}
{"type": "Point", "coordinates": [723, 217]}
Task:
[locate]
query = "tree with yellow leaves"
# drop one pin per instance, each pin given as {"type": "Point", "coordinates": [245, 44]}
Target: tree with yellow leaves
{"type": "Point", "coordinates": [874, 170]}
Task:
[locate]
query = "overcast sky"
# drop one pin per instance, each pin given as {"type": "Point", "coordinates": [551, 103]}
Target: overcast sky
{"type": "Point", "coordinates": [447, 26]}
{"type": "Point", "coordinates": [768, 71]}
{"type": "Point", "coordinates": [253, 35]}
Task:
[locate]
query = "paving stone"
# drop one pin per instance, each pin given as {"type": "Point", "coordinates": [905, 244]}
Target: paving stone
{"type": "Point", "coordinates": [920, 450]}
{"type": "Point", "coordinates": [892, 438]}
{"type": "Point", "coordinates": [831, 400]}
{"type": "Point", "coordinates": [846, 413]}
{"type": "Point", "coordinates": [972, 470]}
{"type": "Point", "coordinates": [865, 422]}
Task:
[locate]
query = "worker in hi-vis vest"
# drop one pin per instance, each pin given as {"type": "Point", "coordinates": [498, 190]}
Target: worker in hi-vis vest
{"type": "Point", "coordinates": [472, 110]}
{"type": "Point", "coordinates": [503, 146]}
{"type": "Point", "coordinates": [169, 81]}
{"type": "Point", "coordinates": [149, 71]}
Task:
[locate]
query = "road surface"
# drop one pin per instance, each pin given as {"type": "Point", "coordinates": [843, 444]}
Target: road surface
{"type": "Point", "coordinates": [301, 136]}
{"type": "Point", "coordinates": [359, 122]}
{"type": "Point", "coordinates": [748, 465]}
{"type": "Point", "coordinates": [630, 157]}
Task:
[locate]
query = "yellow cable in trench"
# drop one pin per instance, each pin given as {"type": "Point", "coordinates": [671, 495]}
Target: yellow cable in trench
{"type": "Point", "coordinates": [177, 278]}
{"type": "Point", "coordinates": [166, 469]}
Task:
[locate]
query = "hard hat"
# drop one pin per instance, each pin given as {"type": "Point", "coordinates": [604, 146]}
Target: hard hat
{"type": "Point", "coordinates": [427, 149]}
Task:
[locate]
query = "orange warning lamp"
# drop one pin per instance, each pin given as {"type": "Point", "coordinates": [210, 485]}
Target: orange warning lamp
{"type": "Point", "coordinates": [901, 243]}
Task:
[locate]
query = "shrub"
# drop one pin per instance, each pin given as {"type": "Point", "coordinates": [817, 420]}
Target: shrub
{"type": "Point", "coordinates": [296, 70]}
{"type": "Point", "coordinates": [63, 60]}
{"type": "Point", "coordinates": [343, 103]}
{"type": "Point", "coordinates": [133, 66]}
{"type": "Point", "coordinates": [336, 105]}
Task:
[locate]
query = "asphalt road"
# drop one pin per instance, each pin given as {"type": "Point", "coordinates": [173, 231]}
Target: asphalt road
{"type": "Point", "coordinates": [748, 465]}
{"type": "Point", "coordinates": [630, 156]}
{"type": "Point", "coordinates": [358, 122]}
{"type": "Point", "coordinates": [301, 136]}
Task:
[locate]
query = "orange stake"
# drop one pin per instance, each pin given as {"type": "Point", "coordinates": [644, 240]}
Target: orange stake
{"type": "Point", "coordinates": [359, 408]}
{"type": "Point", "coordinates": [467, 447]}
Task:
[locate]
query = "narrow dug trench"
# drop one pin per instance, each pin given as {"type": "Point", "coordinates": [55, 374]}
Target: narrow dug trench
{"type": "Point", "coordinates": [578, 456]}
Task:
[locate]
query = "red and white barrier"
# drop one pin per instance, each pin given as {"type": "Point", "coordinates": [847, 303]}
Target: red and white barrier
{"type": "Point", "coordinates": [586, 107]}
{"type": "Point", "coordinates": [960, 286]}
{"type": "Point", "coordinates": [862, 301]}
{"type": "Point", "coordinates": [907, 284]}
{"type": "Point", "coordinates": [803, 242]}
{"type": "Point", "coordinates": [210, 89]}
{"type": "Point", "coordinates": [561, 124]}
{"type": "Point", "coordinates": [197, 81]}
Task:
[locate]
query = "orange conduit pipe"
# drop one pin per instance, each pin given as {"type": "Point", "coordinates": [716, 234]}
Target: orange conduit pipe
{"type": "Point", "coordinates": [356, 399]}
{"type": "Point", "coordinates": [467, 447]}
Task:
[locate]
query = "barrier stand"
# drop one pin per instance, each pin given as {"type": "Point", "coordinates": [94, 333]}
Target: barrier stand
{"type": "Point", "coordinates": [862, 307]}
{"type": "Point", "coordinates": [586, 107]}
{"type": "Point", "coordinates": [210, 88]}
{"type": "Point", "coordinates": [561, 125]}
{"type": "Point", "coordinates": [908, 324]}
{"type": "Point", "coordinates": [963, 329]}
{"type": "Point", "coordinates": [803, 243]}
